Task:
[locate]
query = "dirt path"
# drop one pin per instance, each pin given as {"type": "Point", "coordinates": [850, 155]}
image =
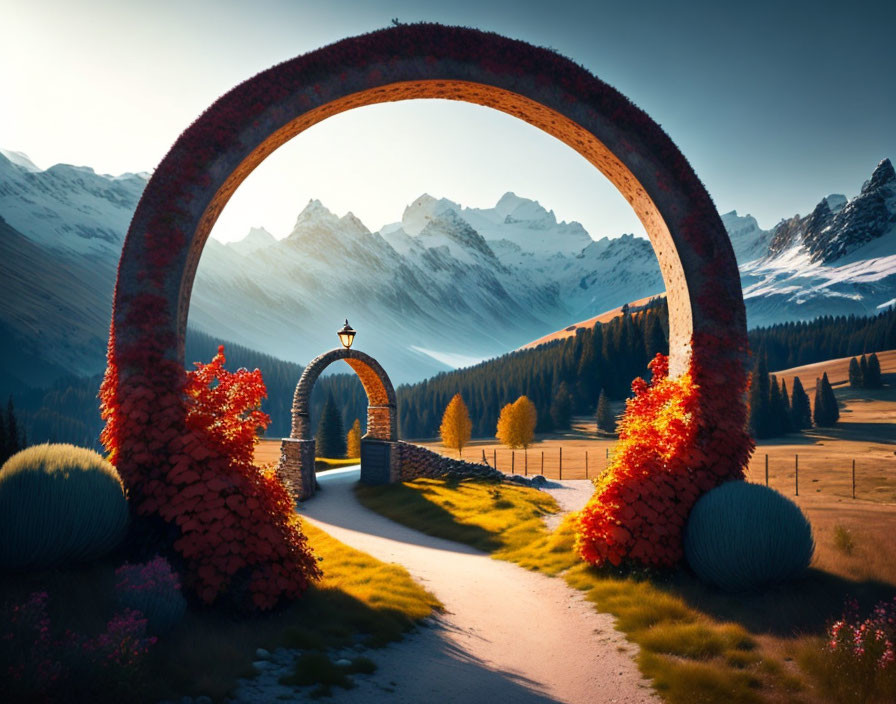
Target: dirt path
{"type": "Point", "coordinates": [509, 635]}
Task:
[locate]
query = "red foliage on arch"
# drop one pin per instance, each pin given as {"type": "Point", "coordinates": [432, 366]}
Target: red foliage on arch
{"type": "Point", "coordinates": [675, 443]}
{"type": "Point", "coordinates": [188, 459]}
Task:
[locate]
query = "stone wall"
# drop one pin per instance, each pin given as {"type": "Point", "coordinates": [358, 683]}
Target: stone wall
{"type": "Point", "coordinates": [296, 467]}
{"type": "Point", "coordinates": [416, 462]}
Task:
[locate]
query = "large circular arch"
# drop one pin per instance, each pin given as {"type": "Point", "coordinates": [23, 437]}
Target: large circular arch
{"type": "Point", "coordinates": [142, 389]}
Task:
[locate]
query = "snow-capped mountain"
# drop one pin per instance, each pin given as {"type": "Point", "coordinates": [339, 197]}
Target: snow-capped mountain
{"type": "Point", "coordinates": [838, 260]}
{"type": "Point", "coordinates": [68, 208]}
{"type": "Point", "coordinates": [445, 286]}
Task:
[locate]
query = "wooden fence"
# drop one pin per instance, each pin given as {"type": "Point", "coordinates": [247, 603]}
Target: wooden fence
{"type": "Point", "coordinates": [867, 479]}
{"type": "Point", "coordinates": [553, 463]}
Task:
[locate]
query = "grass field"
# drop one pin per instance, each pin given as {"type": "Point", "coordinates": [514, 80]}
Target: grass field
{"type": "Point", "coordinates": [359, 599]}
{"type": "Point", "coordinates": [698, 644]}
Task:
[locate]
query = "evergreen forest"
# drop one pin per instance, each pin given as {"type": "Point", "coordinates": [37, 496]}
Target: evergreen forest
{"type": "Point", "coordinates": [565, 376]}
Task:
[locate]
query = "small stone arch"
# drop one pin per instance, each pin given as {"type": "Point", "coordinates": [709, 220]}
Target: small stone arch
{"type": "Point", "coordinates": [297, 452]}
{"type": "Point", "coordinates": [381, 423]}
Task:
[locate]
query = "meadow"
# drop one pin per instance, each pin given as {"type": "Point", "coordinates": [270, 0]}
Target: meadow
{"type": "Point", "coordinates": [694, 642]}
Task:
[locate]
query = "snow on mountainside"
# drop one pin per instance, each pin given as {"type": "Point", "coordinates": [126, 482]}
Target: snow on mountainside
{"type": "Point", "coordinates": [258, 238]}
{"type": "Point", "coordinates": [748, 239]}
{"type": "Point", "coordinates": [839, 259]}
{"type": "Point", "coordinates": [68, 208]}
{"type": "Point", "coordinates": [446, 285]}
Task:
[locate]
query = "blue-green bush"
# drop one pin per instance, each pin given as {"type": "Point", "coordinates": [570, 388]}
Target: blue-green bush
{"type": "Point", "coordinates": [153, 589]}
{"type": "Point", "coordinates": [742, 536]}
{"type": "Point", "coordinates": [59, 505]}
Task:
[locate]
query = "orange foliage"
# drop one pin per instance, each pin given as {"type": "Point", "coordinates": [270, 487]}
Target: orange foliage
{"type": "Point", "coordinates": [456, 425]}
{"type": "Point", "coordinates": [662, 465]}
{"type": "Point", "coordinates": [236, 525]}
{"type": "Point", "coordinates": [516, 423]}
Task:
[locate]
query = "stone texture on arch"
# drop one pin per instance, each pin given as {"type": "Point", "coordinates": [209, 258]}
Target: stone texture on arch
{"type": "Point", "coordinates": [297, 452]}
{"type": "Point", "coordinates": [381, 404]}
{"type": "Point", "coordinates": [211, 158]}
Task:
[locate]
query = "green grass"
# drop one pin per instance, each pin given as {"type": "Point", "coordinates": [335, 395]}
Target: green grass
{"type": "Point", "coordinates": [359, 600]}
{"type": "Point", "coordinates": [496, 518]}
{"type": "Point", "coordinates": [690, 656]}
{"type": "Point", "coordinates": [322, 464]}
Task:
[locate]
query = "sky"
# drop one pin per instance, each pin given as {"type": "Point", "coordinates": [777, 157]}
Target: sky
{"type": "Point", "coordinates": [775, 104]}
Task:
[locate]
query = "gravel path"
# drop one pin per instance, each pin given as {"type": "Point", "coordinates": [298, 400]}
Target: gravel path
{"type": "Point", "coordinates": [508, 635]}
{"type": "Point", "coordinates": [571, 495]}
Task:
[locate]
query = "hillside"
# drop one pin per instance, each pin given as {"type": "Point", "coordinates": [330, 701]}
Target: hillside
{"type": "Point", "coordinates": [608, 356]}
{"type": "Point", "coordinates": [606, 317]}
{"type": "Point", "coordinates": [443, 287]}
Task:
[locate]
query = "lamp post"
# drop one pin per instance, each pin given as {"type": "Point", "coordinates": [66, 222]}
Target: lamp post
{"type": "Point", "coordinates": [346, 335]}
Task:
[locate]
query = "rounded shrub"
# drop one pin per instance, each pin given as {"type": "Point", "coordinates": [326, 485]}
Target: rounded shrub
{"type": "Point", "coordinates": [59, 505]}
{"type": "Point", "coordinates": [742, 536]}
{"type": "Point", "coordinates": [153, 589]}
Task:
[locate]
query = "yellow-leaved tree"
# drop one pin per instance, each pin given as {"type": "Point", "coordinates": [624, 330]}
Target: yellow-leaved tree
{"type": "Point", "coordinates": [516, 424]}
{"type": "Point", "coordinates": [353, 440]}
{"type": "Point", "coordinates": [456, 425]}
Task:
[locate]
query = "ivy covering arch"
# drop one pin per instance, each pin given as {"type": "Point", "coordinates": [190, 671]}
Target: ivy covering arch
{"type": "Point", "coordinates": [142, 391]}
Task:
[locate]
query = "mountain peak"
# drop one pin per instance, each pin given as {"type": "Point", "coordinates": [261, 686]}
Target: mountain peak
{"type": "Point", "coordinates": [509, 202]}
{"type": "Point", "coordinates": [419, 213]}
{"type": "Point", "coordinates": [20, 159]}
{"type": "Point", "coordinates": [883, 175]}
{"type": "Point", "coordinates": [314, 211]}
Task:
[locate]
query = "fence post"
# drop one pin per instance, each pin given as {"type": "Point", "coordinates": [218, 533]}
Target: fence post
{"type": "Point", "coordinates": [853, 479]}
{"type": "Point", "coordinates": [586, 464]}
{"type": "Point", "coordinates": [526, 468]}
{"type": "Point", "coordinates": [766, 469]}
{"type": "Point", "coordinates": [561, 462]}
{"type": "Point", "coordinates": [512, 460]}
{"type": "Point", "coordinates": [542, 463]}
{"type": "Point", "coordinates": [796, 466]}
{"type": "Point", "coordinates": [495, 456]}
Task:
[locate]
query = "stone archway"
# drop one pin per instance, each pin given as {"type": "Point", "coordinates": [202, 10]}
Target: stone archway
{"type": "Point", "coordinates": [378, 458]}
{"type": "Point", "coordinates": [142, 391]}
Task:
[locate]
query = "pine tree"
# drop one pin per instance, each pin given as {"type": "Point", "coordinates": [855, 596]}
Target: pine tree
{"type": "Point", "coordinates": [873, 379]}
{"type": "Point", "coordinates": [786, 410]}
{"type": "Point", "coordinates": [606, 421]}
{"type": "Point", "coordinates": [654, 338]}
{"type": "Point", "coordinates": [826, 411]}
{"type": "Point", "coordinates": [863, 369]}
{"type": "Point", "coordinates": [832, 408]}
{"type": "Point", "coordinates": [561, 407]}
{"type": "Point", "coordinates": [775, 408]}
{"type": "Point", "coordinates": [819, 416]}
{"type": "Point", "coordinates": [760, 390]}
{"type": "Point", "coordinates": [855, 374]}
{"type": "Point", "coordinates": [330, 432]}
{"type": "Point", "coordinates": [800, 410]}
{"type": "Point", "coordinates": [353, 440]}
{"type": "Point", "coordinates": [456, 425]}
